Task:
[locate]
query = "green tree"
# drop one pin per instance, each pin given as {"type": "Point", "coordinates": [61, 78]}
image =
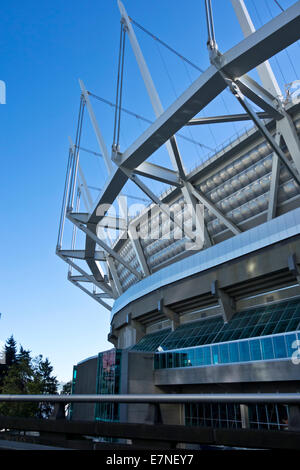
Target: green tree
{"type": "Point", "coordinates": [67, 388]}
{"type": "Point", "coordinates": [20, 380]}
{"type": "Point", "coordinates": [24, 376]}
{"type": "Point", "coordinates": [10, 351]}
{"type": "Point", "coordinates": [46, 382]}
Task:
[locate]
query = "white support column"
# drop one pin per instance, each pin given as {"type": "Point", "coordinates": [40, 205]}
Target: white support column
{"type": "Point", "coordinates": [171, 145]}
{"type": "Point", "coordinates": [100, 139]}
{"type": "Point", "coordinates": [86, 192]}
{"type": "Point", "coordinates": [109, 167]}
{"type": "Point", "coordinates": [152, 92]}
{"type": "Point", "coordinates": [138, 249]}
{"type": "Point", "coordinates": [113, 271]}
{"type": "Point", "coordinates": [264, 70]}
{"type": "Point", "coordinates": [198, 219]}
{"type": "Point", "coordinates": [274, 183]}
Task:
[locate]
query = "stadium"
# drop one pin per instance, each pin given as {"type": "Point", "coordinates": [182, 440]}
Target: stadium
{"type": "Point", "coordinates": [202, 283]}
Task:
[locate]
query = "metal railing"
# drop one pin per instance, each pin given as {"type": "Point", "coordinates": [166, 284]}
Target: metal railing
{"type": "Point", "coordinates": [156, 435]}
{"type": "Point", "coordinates": [286, 398]}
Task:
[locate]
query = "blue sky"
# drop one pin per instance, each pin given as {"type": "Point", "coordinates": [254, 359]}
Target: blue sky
{"type": "Point", "coordinates": [45, 47]}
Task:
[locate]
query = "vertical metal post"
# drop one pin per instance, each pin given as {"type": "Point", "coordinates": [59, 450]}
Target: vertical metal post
{"type": "Point", "coordinates": [245, 416]}
{"type": "Point", "coordinates": [64, 202]}
{"type": "Point", "coordinates": [88, 197]}
{"type": "Point", "coordinates": [274, 183]}
{"type": "Point", "coordinates": [75, 158]}
{"type": "Point", "coordinates": [264, 70]}
{"type": "Point", "coordinates": [74, 232]}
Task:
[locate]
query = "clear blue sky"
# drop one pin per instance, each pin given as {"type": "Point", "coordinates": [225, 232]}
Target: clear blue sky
{"type": "Point", "coordinates": [45, 47]}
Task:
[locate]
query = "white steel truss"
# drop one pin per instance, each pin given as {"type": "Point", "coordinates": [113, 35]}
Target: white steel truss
{"type": "Point", "coordinates": [228, 69]}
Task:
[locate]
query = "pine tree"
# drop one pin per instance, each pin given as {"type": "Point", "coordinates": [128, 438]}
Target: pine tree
{"type": "Point", "coordinates": [67, 388]}
{"type": "Point", "coordinates": [20, 380]}
{"type": "Point", "coordinates": [25, 375]}
{"type": "Point", "coordinates": [11, 351]}
{"type": "Point", "coordinates": [23, 355]}
{"type": "Point", "coordinates": [47, 383]}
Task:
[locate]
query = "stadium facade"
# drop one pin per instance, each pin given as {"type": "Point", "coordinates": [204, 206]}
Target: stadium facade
{"type": "Point", "coordinates": [224, 318]}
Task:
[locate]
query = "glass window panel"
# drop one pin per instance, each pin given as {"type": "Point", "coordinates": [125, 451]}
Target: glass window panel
{"type": "Point", "coordinates": [257, 330]}
{"type": "Point", "coordinates": [190, 357]}
{"type": "Point", "coordinates": [267, 348]}
{"type": "Point", "coordinates": [234, 352]}
{"type": "Point", "coordinates": [289, 340]}
{"type": "Point", "coordinates": [255, 352]}
{"type": "Point", "coordinates": [151, 341]}
{"type": "Point", "coordinates": [169, 360]}
{"type": "Point", "coordinates": [293, 324]}
{"type": "Point", "coordinates": [215, 354]}
{"type": "Point", "coordinates": [207, 356]}
{"type": "Point", "coordinates": [279, 346]}
{"type": "Point", "coordinates": [177, 357]}
{"type": "Point", "coordinates": [236, 335]}
{"type": "Point", "coordinates": [199, 357]}
{"type": "Point", "coordinates": [269, 329]}
{"type": "Point", "coordinates": [224, 353]}
{"type": "Point", "coordinates": [281, 326]}
{"type": "Point", "coordinates": [276, 316]}
{"type": "Point", "coordinates": [244, 351]}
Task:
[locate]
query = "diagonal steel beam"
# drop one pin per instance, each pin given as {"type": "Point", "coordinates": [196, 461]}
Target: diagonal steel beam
{"type": "Point", "coordinates": [81, 254]}
{"type": "Point", "coordinates": [264, 43]}
{"type": "Point", "coordinates": [159, 173]}
{"type": "Point", "coordinates": [113, 271]}
{"type": "Point", "coordinates": [102, 285]}
{"type": "Point", "coordinates": [273, 37]}
{"type": "Point", "coordinates": [264, 131]}
{"type": "Point", "coordinates": [264, 70]}
{"type": "Point", "coordinates": [164, 208]}
{"type": "Point", "coordinates": [100, 139]}
{"type": "Point", "coordinates": [285, 126]}
{"type": "Point", "coordinates": [92, 235]}
{"type": "Point", "coordinates": [260, 96]}
{"type": "Point", "coordinates": [224, 118]}
{"type": "Point", "coordinates": [171, 145]}
{"type": "Point", "coordinates": [134, 238]}
{"type": "Point", "coordinates": [210, 205]}
{"type": "Point", "coordinates": [91, 294]}
{"type": "Point", "coordinates": [117, 223]}
{"type": "Point", "coordinates": [148, 81]}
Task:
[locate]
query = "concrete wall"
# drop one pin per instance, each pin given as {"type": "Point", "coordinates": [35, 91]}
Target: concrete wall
{"type": "Point", "coordinates": [137, 376]}
{"type": "Point", "coordinates": [260, 371]}
{"type": "Point", "coordinates": [85, 383]}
